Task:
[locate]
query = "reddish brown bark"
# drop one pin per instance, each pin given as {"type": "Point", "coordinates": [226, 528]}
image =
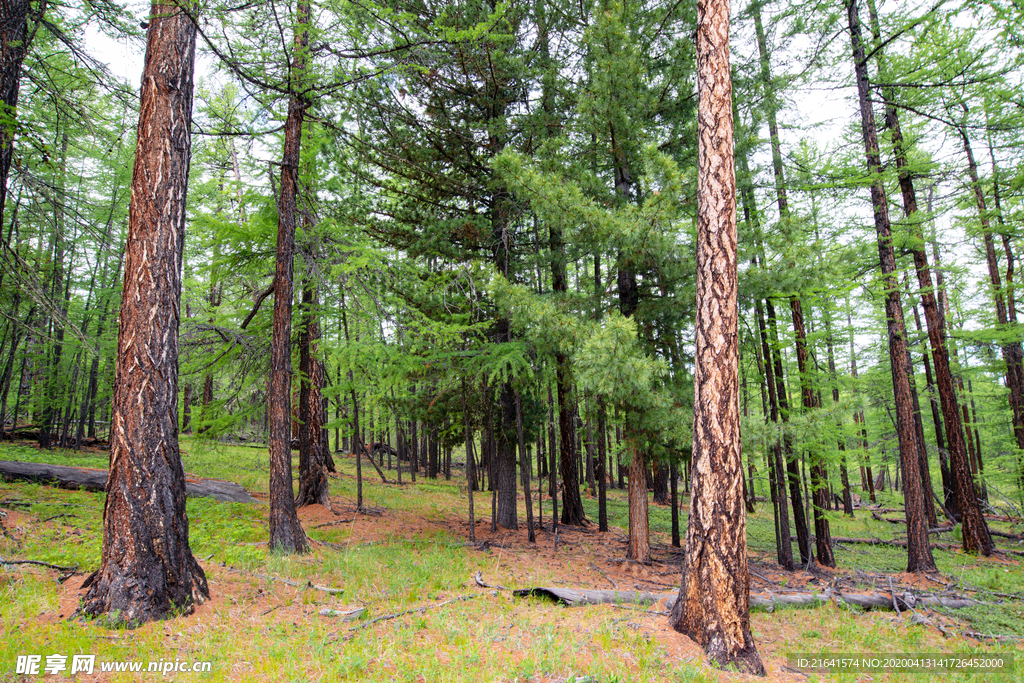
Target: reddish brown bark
{"type": "Point", "coordinates": [819, 484]}
{"type": "Point", "coordinates": [714, 597]}
{"type": "Point", "coordinates": [975, 531]}
{"type": "Point", "coordinates": [919, 554]}
{"type": "Point", "coordinates": [285, 531]}
{"type": "Point", "coordinates": [638, 546]}
{"type": "Point", "coordinates": [1011, 348]}
{"type": "Point", "coordinates": [313, 446]}
{"type": "Point", "coordinates": [147, 570]}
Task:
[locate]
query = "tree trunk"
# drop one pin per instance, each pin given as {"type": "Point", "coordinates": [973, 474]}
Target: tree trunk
{"type": "Point", "coordinates": [919, 554]}
{"type": "Point", "coordinates": [784, 547]}
{"type": "Point", "coordinates": [470, 465]}
{"type": "Point", "coordinates": [803, 534]}
{"type": "Point", "coordinates": [834, 379]}
{"type": "Point", "coordinates": [1010, 345]}
{"type": "Point", "coordinates": [313, 448]}
{"type": "Point", "coordinates": [819, 485]}
{"type": "Point", "coordinates": [601, 472]}
{"type": "Point", "coordinates": [505, 460]}
{"type": "Point", "coordinates": [714, 597]}
{"type": "Point", "coordinates": [285, 531]}
{"type": "Point", "coordinates": [524, 467]}
{"type": "Point", "coordinates": [639, 545]}
{"type": "Point", "coordinates": [147, 570]}
{"type": "Point", "coordinates": [15, 40]}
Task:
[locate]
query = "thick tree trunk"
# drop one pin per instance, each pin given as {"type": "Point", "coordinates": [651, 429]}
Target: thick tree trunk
{"type": "Point", "coordinates": [147, 570]}
{"type": "Point", "coordinates": [714, 598]}
{"type": "Point", "coordinates": [602, 460]}
{"type": "Point", "coordinates": [286, 533]}
{"type": "Point", "coordinates": [919, 555]}
{"type": "Point", "coordinates": [470, 465]}
{"type": "Point", "coordinates": [572, 504]}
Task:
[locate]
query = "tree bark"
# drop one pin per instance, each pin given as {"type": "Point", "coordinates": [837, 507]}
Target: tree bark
{"type": "Point", "coordinates": [15, 40]}
{"type": "Point", "coordinates": [1010, 346]}
{"type": "Point", "coordinates": [792, 465]}
{"type": "Point", "coordinates": [313, 448]}
{"type": "Point", "coordinates": [919, 555]}
{"type": "Point", "coordinates": [286, 533]}
{"type": "Point", "coordinates": [819, 485]}
{"type": "Point", "coordinates": [639, 544]}
{"type": "Point", "coordinates": [147, 570]}
{"type": "Point", "coordinates": [714, 597]}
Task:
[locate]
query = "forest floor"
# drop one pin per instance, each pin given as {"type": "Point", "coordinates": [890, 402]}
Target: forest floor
{"type": "Point", "coordinates": [406, 563]}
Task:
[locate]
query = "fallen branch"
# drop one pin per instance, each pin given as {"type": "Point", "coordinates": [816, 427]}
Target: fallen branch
{"type": "Point", "coordinates": [288, 582]}
{"type": "Point", "coordinates": [598, 570]}
{"type": "Point", "coordinates": [424, 608]}
{"type": "Point", "coordinates": [41, 564]}
{"type": "Point", "coordinates": [479, 579]}
{"type": "Point", "coordinates": [350, 615]}
{"type": "Point", "coordinates": [991, 636]}
{"type": "Point", "coordinates": [366, 452]}
{"type": "Point", "coordinates": [903, 544]}
{"type": "Point", "coordinates": [340, 521]}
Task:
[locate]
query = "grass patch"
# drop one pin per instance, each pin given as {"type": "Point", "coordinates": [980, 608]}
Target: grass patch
{"type": "Point", "coordinates": [259, 628]}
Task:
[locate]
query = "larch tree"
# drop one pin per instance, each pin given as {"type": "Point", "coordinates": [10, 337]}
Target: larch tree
{"type": "Point", "coordinates": [147, 569]}
{"type": "Point", "coordinates": [285, 530]}
{"type": "Point", "coordinates": [975, 532]}
{"type": "Point", "coordinates": [713, 607]}
{"type": "Point", "coordinates": [919, 553]}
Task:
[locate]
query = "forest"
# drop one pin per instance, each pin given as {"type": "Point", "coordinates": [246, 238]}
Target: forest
{"type": "Point", "coordinates": [318, 314]}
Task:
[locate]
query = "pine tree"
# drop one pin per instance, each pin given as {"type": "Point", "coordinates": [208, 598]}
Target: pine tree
{"type": "Point", "coordinates": [713, 606]}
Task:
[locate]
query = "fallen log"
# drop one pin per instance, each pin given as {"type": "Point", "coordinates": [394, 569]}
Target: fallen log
{"type": "Point", "coordinates": [96, 480]}
{"type": "Point", "coordinates": [878, 601]}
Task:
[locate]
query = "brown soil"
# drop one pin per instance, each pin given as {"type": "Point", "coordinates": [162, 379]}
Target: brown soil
{"type": "Point", "coordinates": [584, 558]}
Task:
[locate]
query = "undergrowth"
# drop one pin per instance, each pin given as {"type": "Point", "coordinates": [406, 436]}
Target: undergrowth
{"type": "Point", "coordinates": [447, 628]}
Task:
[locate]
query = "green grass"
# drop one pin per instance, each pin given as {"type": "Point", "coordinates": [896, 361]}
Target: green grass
{"type": "Point", "coordinates": [261, 629]}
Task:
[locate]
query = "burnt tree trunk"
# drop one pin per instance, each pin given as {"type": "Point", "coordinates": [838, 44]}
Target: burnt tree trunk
{"type": "Point", "coordinates": [714, 598]}
{"type": "Point", "coordinates": [147, 570]}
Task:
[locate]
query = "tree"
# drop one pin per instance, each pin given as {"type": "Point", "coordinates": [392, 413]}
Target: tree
{"type": "Point", "coordinates": [713, 606]}
{"type": "Point", "coordinates": [919, 553]}
{"type": "Point", "coordinates": [147, 570]}
{"type": "Point", "coordinates": [285, 531]}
